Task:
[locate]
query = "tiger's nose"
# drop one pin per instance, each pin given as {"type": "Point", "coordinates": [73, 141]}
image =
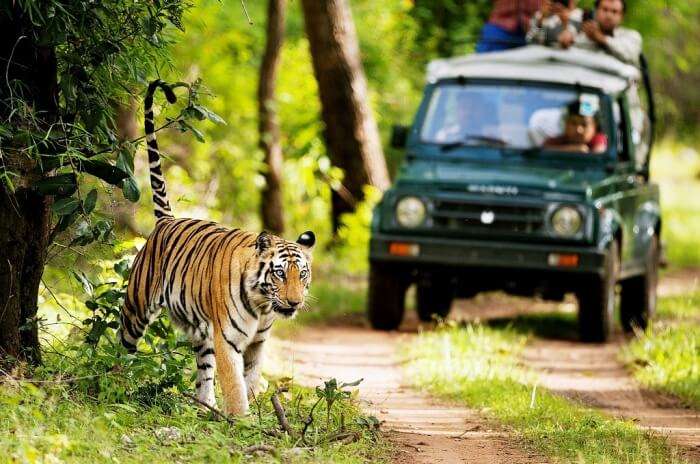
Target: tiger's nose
{"type": "Point", "coordinates": [293, 303]}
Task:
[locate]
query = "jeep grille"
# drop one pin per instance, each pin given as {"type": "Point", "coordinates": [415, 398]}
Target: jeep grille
{"type": "Point", "coordinates": [472, 217]}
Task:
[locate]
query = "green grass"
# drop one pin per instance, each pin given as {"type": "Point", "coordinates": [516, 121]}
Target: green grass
{"type": "Point", "coordinates": [667, 356]}
{"type": "Point", "coordinates": [677, 171]}
{"type": "Point", "coordinates": [53, 424]}
{"type": "Point", "coordinates": [478, 366]}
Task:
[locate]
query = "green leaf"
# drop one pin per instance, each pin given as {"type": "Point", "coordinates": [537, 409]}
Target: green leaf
{"type": "Point", "coordinates": [103, 170]}
{"type": "Point", "coordinates": [209, 114]}
{"type": "Point", "coordinates": [61, 184]}
{"type": "Point", "coordinates": [197, 133]}
{"type": "Point", "coordinates": [84, 281]}
{"type": "Point", "coordinates": [125, 162]}
{"type": "Point", "coordinates": [66, 221]}
{"type": "Point", "coordinates": [131, 190]}
{"type": "Point", "coordinates": [65, 206]}
{"type": "Point", "coordinates": [122, 268]}
{"type": "Point", "coordinates": [90, 201]}
{"type": "Point", "coordinates": [351, 384]}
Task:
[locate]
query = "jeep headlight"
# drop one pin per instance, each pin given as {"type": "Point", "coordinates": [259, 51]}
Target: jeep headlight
{"type": "Point", "coordinates": [566, 221]}
{"type": "Point", "coordinates": [410, 212]}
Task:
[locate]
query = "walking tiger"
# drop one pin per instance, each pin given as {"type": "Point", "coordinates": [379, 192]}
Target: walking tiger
{"type": "Point", "coordinates": [223, 287]}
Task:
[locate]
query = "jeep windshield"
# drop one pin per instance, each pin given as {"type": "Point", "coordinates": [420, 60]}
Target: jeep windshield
{"type": "Point", "coordinates": [532, 118]}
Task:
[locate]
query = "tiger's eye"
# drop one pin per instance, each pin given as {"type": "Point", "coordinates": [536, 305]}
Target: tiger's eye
{"type": "Point", "coordinates": [279, 273]}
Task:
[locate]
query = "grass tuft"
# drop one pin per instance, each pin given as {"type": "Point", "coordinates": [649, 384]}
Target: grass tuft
{"type": "Point", "coordinates": [667, 356]}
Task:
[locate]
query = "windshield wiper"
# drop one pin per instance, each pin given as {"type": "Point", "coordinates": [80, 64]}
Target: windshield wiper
{"type": "Point", "coordinates": [467, 139]}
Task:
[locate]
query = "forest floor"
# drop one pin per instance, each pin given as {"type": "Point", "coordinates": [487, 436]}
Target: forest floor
{"type": "Point", "coordinates": [430, 430]}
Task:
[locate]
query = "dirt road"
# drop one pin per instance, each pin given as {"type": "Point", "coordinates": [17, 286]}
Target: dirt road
{"type": "Point", "coordinates": [425, 430]}
{"type": "Point", "coordinates": [429, 431]}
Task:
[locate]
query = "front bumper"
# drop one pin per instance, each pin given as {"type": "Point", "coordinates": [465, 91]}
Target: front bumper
{"type": "Point", "coordinates": [472, 254]}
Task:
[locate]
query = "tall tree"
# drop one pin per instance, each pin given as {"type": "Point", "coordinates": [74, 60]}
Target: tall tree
{"type": "Point", "coordinates": [351, 132]}
{"type": "Point", "coordinates": [65, 66]}
{"type": "Point", "coordinates": [268, 126]}
{"type": "Point", "coordinates": [25, 214]}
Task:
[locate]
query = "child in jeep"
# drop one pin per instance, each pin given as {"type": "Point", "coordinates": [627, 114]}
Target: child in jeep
{"type": "Point", "coordinates": [581, 131]}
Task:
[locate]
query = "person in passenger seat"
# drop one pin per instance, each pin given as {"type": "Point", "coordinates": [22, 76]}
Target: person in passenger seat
{"type": "Point", "coordinates": [581, 132]}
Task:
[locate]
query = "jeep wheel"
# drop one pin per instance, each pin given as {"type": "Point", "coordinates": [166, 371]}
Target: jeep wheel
{"type": "Point", "coordinates": [597, 301]}
{"type": "Point", "coordinates": [434, 298]}
{"type": "Point", "coordinates": [387, 291]}
{"type": "Point", "coordinates": [638, 297]}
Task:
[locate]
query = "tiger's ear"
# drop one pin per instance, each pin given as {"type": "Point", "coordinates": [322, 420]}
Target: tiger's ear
{"type": "Point", "coordinates": [263, 242]}
{"type": "Point", "coordinates": [307, 240]}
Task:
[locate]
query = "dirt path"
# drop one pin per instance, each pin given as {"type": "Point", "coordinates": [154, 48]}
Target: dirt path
{"type": "Point", "coordinates": [425, 430]}
{"type": "Point", "coordinates": [593, 375]}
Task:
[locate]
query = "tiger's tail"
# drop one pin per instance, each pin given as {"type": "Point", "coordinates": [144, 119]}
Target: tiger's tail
{"type": "Point", "coordinates": [161, 205]}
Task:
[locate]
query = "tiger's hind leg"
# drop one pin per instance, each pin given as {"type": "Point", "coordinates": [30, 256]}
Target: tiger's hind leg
{"type": "Point", "coordinates": [206, 365]}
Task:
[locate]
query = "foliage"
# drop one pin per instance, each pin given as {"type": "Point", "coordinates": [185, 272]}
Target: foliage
{"type": "Point", "coordinates": [105, 54]}
{"type": "Point", "coordinates": [479, 366]}
{"type": "Point", "coordinates": [677, 171]}
{"type": "Point", "coordinates": [672, 45]}
{"type": "Point", "coordinates": [667, 356]}
{"type": "Point", "coordinates": [56, 423]}
{"type": "Point", "coordinates": [450, 27]}
{"type": "Point", "coordinates": [220, 179]}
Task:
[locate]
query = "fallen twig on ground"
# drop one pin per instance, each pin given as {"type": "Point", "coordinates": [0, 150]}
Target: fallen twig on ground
{"type": "Point", "coordinates": [216, 412]}
{"type": "Point", "coordinates": [345, 438]}
{"type": "Point", "coordinates": [281, 415]}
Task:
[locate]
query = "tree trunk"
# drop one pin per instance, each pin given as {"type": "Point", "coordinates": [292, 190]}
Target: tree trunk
{"type": "Point", "coordinates": [268, 126]}
{"type": "Point", "coordinates": [351, 132]}
{"type": "Point", "coordinates": [25, 216]}
{"type": "Point", "coordinates": [24, 239]}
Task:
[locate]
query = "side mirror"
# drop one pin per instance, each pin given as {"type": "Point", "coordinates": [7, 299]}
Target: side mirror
{"type": "Point", "coordinates": [399, 136]}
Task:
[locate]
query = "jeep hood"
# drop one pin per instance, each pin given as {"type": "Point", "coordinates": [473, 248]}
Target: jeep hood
{"type": "Point", "coordinates": [526, 178]}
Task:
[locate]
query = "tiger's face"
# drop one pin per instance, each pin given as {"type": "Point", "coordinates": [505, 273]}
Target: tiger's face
{"type": "Point", "coordinates": [284, 272]}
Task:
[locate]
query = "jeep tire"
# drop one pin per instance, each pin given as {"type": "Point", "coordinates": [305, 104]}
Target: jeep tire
{"type": "Point", "coordinates": [638, 296]}
{"type": "Point", "coordinates": [434, 297]}
{"type": "Point", "coordinates": [386, 296]}
{"type": "Point", "coordinates": [597, 301]}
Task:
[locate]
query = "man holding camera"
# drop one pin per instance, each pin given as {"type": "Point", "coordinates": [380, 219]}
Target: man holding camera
{"type": "Point", "coordinates": [601, 32]}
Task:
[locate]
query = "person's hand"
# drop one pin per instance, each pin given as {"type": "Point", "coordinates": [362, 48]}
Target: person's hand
{"type": "Point", "coordinates": [566, 39]}
{"type": "Point", "coordinates": [563, 14]}
{"type": "Point", "coordinates": [546, 8]}
{"type": "Point", "coordinates": [558, 9]}
{"type": "Point", "coordinates": [592, 30]}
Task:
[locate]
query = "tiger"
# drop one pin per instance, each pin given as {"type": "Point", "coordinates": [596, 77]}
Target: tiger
{"type": "Point", "coordinates": [223, 287]}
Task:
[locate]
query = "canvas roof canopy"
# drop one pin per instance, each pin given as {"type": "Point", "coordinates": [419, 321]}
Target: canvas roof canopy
{"type": "Point", "coordinates": [540, 64]}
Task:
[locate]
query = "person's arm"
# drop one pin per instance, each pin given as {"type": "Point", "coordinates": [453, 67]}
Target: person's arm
{"type": "Point", "coordinates": [626, 46]}
{"type": "Point", "coordinates": [536, 34]}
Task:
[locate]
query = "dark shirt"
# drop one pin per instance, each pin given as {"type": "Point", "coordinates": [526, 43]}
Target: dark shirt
{"type": "Point", "coordinates": [513, 15]}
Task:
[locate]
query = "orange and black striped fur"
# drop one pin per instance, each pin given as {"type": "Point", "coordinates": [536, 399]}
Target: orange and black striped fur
{"type": "Point", "coordinates": [224, 287]}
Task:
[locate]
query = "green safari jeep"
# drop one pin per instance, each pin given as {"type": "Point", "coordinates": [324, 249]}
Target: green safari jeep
{"type": "Point", "coordinates": [525, 171]}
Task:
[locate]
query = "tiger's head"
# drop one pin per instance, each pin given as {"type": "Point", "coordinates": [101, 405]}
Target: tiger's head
{"type": "Point", "coordinates": [284, 271]}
